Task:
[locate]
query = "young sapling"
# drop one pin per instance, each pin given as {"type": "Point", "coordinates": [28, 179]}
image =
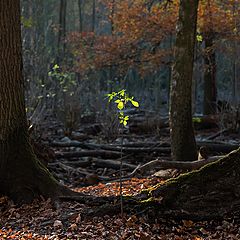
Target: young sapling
{"type": "Point", "coordinates": [122, 99]}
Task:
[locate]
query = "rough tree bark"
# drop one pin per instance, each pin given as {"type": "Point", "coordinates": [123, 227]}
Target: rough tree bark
{"type": "Point", "coordinates": [22, 176]}
{"type": "Point", "coordinates": [182, 134]}
{"type": "Point", "coordinates": [209, 193]}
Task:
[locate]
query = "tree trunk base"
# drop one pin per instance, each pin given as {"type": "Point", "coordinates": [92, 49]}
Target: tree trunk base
{"type": "Point", "coordinates": [22, 176]}
{"type": "Point", "coordinates": [209, 193]}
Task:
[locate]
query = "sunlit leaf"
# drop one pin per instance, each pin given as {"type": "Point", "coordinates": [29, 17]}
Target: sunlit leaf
{"type": "Point", "coordinates": [55, 67]}
{"type": "Point", "coordinates": [199, 38]}
{"type": "Point", "coordinates": [135, 103]}
{"type": "Point", "coordinates": [120, 105]}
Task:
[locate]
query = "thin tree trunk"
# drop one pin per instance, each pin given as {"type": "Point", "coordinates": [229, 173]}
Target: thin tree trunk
{"type": "Point", "coordinates": [112, 16]}
{"type": "Point", "coordinates": [62, 30]}
{"type": "Point", "coordinates": [182, 134]}
{"type": "Point", "coordinates": [210, 92]}
{"type": "Point", "coordinates": [236, 81]}
{"type": "Point", "coordinates": [93, 15]}
{"type": "Point", "coordinates": [80, 9]}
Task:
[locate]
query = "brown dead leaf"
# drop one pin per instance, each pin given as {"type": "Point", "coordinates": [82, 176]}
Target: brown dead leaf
{"type": "Point", "coordinates": [203, 231]}
{"type": "Point", "coordinates": [143, 236]}
{"type": "Point", "coordinates": [3, 200]}
{"type": "Point", "coordinates": [131, 221]}
{"type": "Point", "coordinates": [73, 217]}
{"type": "Point", "coordinates": [188, 223]}
{"type": "Point", "coordinates": [73, 227]}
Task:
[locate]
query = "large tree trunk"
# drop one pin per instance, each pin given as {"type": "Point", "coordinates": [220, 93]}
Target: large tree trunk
{"type": "Point", "coordinates": [22, 176]}
{"type": "Point", "coordinates": [208, 193]}
{"type": "Point", "coordinates": [182, 135]}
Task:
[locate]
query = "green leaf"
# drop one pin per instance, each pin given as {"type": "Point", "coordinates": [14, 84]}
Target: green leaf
{"type": "Point", "coordinates": [120, 105]}
{"type": "Point", "coordinates": [199, 38]}
{"type": "Point", "coordinates": [196, 120]}
{"type": "Point", "coordinates": [135, 103]}
{"type": "Point", "coordinates": [125, 123]}
{"type": "Point", "coordinates": [55, 67]}
{"type": "Point", "coordinates": [27, 22]}
{"type": "Point", "coordinates": [122, 93]}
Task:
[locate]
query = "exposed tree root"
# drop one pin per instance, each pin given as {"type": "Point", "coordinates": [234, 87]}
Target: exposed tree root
{"type": "Point", "coordinates": [87, 199]}
{"type": "Point", "coordinates": [209, 193]}
{"type": "Point", "coordinates": [183, 165]}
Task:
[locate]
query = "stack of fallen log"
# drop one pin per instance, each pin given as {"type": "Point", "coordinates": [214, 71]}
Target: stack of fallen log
{"type": "Point", "coordinates": [101, 162]}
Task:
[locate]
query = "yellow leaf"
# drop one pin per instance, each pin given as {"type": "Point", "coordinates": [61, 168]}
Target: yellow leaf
{"type": "Point", "coordinates": [135, 104]}
{"type": "Point", "coordinates": [199, 38]}
{"type": "Point", "coordinates": [120, 105]}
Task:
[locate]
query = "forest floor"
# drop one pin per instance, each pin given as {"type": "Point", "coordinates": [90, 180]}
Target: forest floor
{"type": "Point", "coordinates": [88, 163]}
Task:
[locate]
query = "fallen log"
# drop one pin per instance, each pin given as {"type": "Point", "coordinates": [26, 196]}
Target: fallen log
{"type": "Point", "coordinates": [112, 164]}
{"type": "Point", "coordinates": [71, 169]}
{"type": "Point", "coordinates": [215, 135]}
{"type": "Point", "coordinates": [73, 143]}
{"type": "Point", "coordinates": [90, 153]}
{"type": "Point", "coordinates": [144, 144]}
{"type": "Point", "coordinates": [206, 122]}
{"type": "Point", "coordinates": [78, 163]}
{"type": "Point", "coordinates": [216, 147]}
{"type": "Point", "coordinates": [139, 150]}
{"type": "Point", "coordinates": [155, 147]}
{"type": "Point", "coordinates": [147, 124]}
{"type": "Point", "coordinates": [183, 165]}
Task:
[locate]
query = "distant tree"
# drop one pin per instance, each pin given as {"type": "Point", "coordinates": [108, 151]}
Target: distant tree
{"type": "Point", "coordinates": [22, 176]}
{"type": "Point", "coordinates": [142, 32]}
{"type": "Point", "coordinates": [135, 39]}
{"type": "Point", "coordinates": [182, 134]}
{"type": "Point", "coordinates": [93, 15]}
{"type": "Point", "coordinates": [62, 30]}
{"type": "Point", "coordinates": [210, 88]}
{"type": "Point", "coordinates": [80, 10]}
{"type": "Point", "coordinates": [216, 23]}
